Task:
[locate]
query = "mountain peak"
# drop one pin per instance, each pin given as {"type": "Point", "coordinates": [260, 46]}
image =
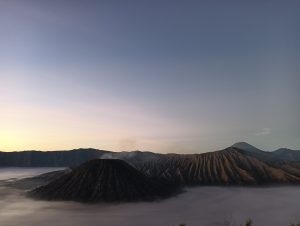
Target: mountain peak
{"type": "Point", "coordinates": [246, 147]}
{"type": "Point", "coordinates": [281, 150]}
{"type": "Point", "coordinates": [104, 180]}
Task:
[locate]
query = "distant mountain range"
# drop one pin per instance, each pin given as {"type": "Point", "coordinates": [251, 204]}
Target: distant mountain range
{"type": "Point", "coordinates": [78, 156]}
{"type": "Point", "coordinates": [282, 154]}
{"type": "Point", "coordinates": [49, 158]}
{"type": "Point", "coordinates": [104, 176]}
{"type": "Point", "coordinates": [240, 164]}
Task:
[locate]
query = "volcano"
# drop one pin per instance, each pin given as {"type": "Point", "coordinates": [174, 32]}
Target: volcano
{"type": "Point", "coordinates": [104, 180]}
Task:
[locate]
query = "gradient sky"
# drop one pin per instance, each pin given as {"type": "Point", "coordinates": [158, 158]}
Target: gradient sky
{"type": "Point", "coordinates": [163, 76]}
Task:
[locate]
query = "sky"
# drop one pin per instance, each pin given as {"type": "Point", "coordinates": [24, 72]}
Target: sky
{"type": "Point", "coordinates": [162, 76]}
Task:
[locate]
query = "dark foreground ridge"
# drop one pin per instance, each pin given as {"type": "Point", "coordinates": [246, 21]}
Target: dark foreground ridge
{"type": "Point", "coordinates": [104, 180]}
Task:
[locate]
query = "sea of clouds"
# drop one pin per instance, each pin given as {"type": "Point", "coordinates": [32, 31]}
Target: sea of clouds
{"type": "Point", "coordinates": [202, 206]}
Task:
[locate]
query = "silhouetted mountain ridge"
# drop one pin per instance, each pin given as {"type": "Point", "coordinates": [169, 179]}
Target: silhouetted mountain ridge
{"type": "Point", "coordinates": [287, 154]}
{"type": "Point", "coordinates": [49, 158]}
{"type": "Point", "coordinates": [78, 156]}
{"type": "Point", "coordinates": [278, 156]}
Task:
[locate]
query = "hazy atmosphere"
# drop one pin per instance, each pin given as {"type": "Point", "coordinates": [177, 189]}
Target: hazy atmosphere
{"type": "Point", "coordinates": [143, 113]}
{"type": "Point", "coordinates": [209, 206]}
{"type": "Point", "coordinates": [165, 76]}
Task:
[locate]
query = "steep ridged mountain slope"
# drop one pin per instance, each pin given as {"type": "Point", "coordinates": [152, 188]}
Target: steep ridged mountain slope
{"type": "Point", "coordinates": [104, 180]}
{"type": "Point", "coordinates": [226, 167]}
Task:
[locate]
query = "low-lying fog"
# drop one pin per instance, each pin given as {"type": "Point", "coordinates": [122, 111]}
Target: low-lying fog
{"type": "Point", "coordinates": [202, 206]}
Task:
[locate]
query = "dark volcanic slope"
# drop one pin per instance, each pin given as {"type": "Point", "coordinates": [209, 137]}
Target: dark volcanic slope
{"type": "Point", "coordinates": [103, 180]}
{"type": "Point", "coordinates": [226, 167]}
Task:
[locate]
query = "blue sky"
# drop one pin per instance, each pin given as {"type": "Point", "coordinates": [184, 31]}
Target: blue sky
{"type": "Point", "coordinates": [165, 76]}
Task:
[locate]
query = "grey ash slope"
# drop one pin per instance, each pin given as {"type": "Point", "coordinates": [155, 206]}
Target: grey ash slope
{"type": "Point", "coordinates": [104, 180]}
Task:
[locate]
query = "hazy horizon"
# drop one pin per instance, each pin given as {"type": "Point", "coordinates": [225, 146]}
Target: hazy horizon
{"type": "Point", "coordinates": [203, 151]}
{"type": "Point", "coordinates": [185, 77]}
